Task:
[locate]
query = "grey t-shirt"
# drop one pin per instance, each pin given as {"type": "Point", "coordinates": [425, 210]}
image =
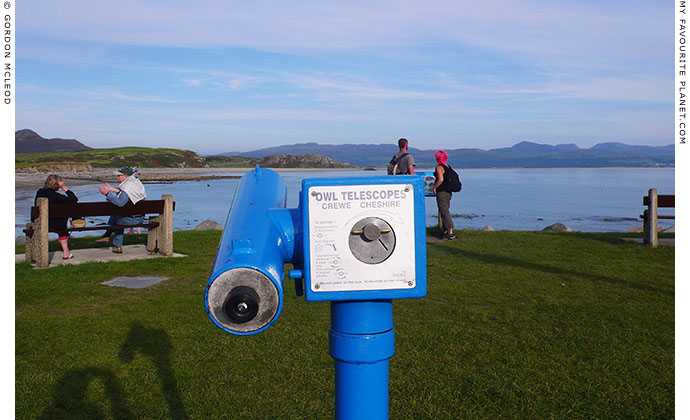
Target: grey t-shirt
{"type": "Point", "coordinates": [404, 163]}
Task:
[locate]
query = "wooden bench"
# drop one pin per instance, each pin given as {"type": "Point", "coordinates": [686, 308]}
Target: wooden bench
{"type": "Point", "coordinates": [159, 237]}
{"type": "Point", "coordinates": [650, 216]}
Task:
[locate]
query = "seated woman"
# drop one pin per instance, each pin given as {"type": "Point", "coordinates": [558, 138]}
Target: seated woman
{"type": "Point", "coordinates": [130, 189]}
{"type": "Point", "coordinates": [50, 191]}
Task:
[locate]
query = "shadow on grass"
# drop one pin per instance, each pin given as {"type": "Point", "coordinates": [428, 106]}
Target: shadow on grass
{"type": "Point", "coordinates": [616, 238]}
{"type": "Point", "coordinates": [70, 399]}
{"type": "Point", "coordinates": [156, 344]}
{"type": "Point", "coordinates": [505, 261]}
{"type": "Point", "coordinates": [609, 238]}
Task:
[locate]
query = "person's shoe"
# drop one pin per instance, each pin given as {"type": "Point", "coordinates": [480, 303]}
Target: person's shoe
{"type": "Point", "coordinates": [69, 257]}
{"type": "Point", "coordinates": [104, 240]}
{"type": "Point", "coordinates": [117, 250]}
{"type": "Point", "coordinates": [448, 237]}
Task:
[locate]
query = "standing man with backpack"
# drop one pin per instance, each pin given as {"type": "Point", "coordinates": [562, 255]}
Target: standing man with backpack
{"type": "Point", "coordinates": [402, 162]}
{"type": "Point", "coordinates": [447, 182]}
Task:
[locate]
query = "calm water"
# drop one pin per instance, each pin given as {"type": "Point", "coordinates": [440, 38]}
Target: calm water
{"type": "Point", "coordinates": [589, 200]}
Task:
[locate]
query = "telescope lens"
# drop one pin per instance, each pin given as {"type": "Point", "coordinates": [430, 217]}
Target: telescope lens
{"type": "Point", "coordinates": [242, 304]}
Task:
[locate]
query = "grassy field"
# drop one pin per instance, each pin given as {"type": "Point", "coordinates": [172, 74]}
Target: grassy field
{"type": "Point", "coordinates": [528, 325]}
{"type": "Point", "coordinates": [114, 158]}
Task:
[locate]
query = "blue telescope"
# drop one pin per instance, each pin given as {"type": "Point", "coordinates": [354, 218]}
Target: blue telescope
{"type": "Point", "coordinates": [245, 292]}
{"type": "Point", "coordinates": [356, 242]}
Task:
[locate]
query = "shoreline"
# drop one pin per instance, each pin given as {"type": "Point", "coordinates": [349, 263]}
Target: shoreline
{"type": "Point", "coordinates": [26, 180]}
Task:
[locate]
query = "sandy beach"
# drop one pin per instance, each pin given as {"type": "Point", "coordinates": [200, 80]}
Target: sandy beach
{"type": "Point", "coordinates": [25, 180]}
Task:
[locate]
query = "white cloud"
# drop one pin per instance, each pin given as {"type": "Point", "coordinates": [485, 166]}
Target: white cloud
{"type": "Point", "coordinates": [598, 89]}
{"type": "Point", "coordinates": [205, 77]}
{"type": "Point", "coordinates": [191, 82]}
{"type": "Point", "coordinates": [324, 86]}
{"type": "Point", "coordinates": [342, 86]}
{"type": "Point", "coordinates": [109, 94]}
{"type": "Point", "coordinates": [261, 114]}
{"type": "Point", "coordinates": [98, 94]}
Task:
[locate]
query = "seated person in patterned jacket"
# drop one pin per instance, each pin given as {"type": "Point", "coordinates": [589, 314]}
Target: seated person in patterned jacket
{"type": "Point", "coordinates": [130, 189]}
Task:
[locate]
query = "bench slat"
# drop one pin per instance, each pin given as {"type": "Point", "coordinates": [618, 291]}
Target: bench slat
{"type": "Point", "coordinates": [101, 209]}
{"type": "Point", "coordinates": [662, 200]}
{"type": "Point", "coordinates": [104, 227]}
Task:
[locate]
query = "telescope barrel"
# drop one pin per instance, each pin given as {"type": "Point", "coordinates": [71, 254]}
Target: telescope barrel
{"type": "Point", "coordinates": [244, 294]}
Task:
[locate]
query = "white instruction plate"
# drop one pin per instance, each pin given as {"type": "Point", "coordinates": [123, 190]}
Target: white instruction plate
{"type": "Point", "coordinates": [334, 211]}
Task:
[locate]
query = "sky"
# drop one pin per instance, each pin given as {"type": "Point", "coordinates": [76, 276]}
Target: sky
{"type": "Point", "coordinates": [224, 76]}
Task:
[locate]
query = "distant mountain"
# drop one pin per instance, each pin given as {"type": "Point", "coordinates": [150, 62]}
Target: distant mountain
{"type": "Point", "coordinates": [522, 155]}
{"type": "Point", "coordinates": [534, 148]}
{"type": "Point", "coordinates": [620, 148]}
{"type": "Point", "coordinates": [28, 141]}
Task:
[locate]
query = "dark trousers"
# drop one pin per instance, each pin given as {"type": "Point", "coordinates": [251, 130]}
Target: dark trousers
{"type": "Point", "coordinates": [443, 202]}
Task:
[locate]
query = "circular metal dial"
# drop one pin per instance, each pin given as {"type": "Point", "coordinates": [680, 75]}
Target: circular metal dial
{"type": "Point", "coordinates": [372, 240]}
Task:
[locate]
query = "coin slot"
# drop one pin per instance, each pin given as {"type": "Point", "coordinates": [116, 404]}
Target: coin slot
{"type": "Point", "coordinates": [372, 240]}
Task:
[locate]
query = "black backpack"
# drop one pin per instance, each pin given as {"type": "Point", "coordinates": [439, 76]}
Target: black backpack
{"type": "Point", "coordinates": [452, 180]}
{"type": "Point", "coordinates": [393, 164]}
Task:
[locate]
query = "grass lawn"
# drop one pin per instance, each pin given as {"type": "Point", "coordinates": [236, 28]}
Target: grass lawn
{"type": "Point", "coordinates": [530, 325]}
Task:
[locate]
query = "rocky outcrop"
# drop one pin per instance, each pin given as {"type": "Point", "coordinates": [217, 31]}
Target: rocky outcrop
{"type": "Point", "coordinates": [557, 227]}
{"type": "Point", "coordinates": [188, 160]}
{"type": "Point", "coordinates": [209, 225]}
{"type": "Point", "coordinates": [301, 161]}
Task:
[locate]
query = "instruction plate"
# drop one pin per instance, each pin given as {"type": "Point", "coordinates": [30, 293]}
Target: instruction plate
{"type": "Point", "coordinates": [333, 213]}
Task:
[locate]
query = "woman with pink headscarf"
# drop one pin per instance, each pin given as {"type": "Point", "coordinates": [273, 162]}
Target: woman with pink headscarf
{"type": "Point", "coordinates": [443, 194]}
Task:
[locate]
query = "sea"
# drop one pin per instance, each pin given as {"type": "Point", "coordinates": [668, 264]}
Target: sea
{"type": "Point", "coordinates": [587, 200]}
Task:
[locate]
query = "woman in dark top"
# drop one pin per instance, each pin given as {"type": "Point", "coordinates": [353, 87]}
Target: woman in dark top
{"type": "Point", "coordinates": [50, 191]}
{"type": "Point", "coordinates": [443, 194]}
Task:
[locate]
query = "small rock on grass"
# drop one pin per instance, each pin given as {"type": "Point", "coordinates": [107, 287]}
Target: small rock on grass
{"type": "Point", "coordinates": [209, 225]}
{"type": "Point", "coordinates": [557, 227]}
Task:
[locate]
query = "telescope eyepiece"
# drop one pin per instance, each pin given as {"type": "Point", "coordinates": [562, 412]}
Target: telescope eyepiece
{"type": "Point", "coordinates": [242, 304]}
{"type": "Point", "coordinates": [243, 300]}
